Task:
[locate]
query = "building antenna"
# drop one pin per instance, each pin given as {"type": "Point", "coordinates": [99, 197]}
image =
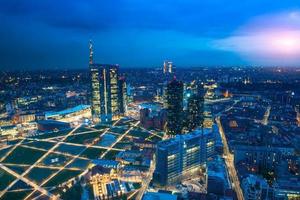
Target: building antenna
{"type": "Point", "coordinates": [91, 52]}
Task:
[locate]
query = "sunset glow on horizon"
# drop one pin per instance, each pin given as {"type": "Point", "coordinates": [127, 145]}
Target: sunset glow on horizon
{"type": "Point", "coordinates": [270, 38]}
{"type": "Point", "coordinates": [288, 44]}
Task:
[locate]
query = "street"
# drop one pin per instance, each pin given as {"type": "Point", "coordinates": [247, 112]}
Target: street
{"type": "Point", "coordinates": [229, 161]}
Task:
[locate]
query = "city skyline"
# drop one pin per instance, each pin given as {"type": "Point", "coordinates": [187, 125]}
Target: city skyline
{"type": "Point", "coordinates": [228, 133]}
{"type": "Point", "coordinates": [55, 35]}
{"type": "Point", "coordinates": [150, 100]}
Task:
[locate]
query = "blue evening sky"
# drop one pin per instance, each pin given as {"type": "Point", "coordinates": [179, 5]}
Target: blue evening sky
{"type": "Point", "coordinates": [41, 34]}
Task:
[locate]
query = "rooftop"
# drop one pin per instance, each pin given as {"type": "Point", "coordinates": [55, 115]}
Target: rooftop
{"type": "Point", "coordinates": [106, 163]}
{"type": "Point", "coordinates": [158, 196]}
{"type": "Point", "coordinates": [67, 111]}
{"type": "Point", "coordinates": [188, 136]}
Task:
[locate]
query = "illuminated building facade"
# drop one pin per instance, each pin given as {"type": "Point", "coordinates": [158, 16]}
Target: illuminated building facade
{"type": "Point", "coordinates": [105, 183]}
{"type": "Point", "coordinates": [261, 156]}
{"type": "Point", "coordinates": [195, 110]}
{"type": "Point", "coordinates": [183, 156]}
{"type": "Point", "coordinates": [168, 67]}
{"type": "Point", "coordinates": [255, 187]}
{"type": "Point", "coordinates": [109, 179]}
{"type": "Point", "coordinates": [74, 114]}
{"type": "Point", "coordinates": [286, 189]}
{"type": "Point", "coordinates": [107, 91]}
{"type": "Point", "coordinates": [95, 101]}
{"type": "Point", "coordinates": [122, 95]}
{"type": "Point", "coordinates": [21, 118]}
{"type": "Point", "coordinates": [174, 107]}
{"type": "Point", "coordinates": [150, 119]}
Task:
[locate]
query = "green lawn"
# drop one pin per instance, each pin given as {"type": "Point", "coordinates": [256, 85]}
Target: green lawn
{"type": "Point", "coordinates": [155, 139]}
{"type": "Point", "coordinates": [123, 122]}
{"type": "Point", "coordinates": [120, 130]}
{"type": "Point", "coordinates": [13, 142]}
{"type": "Point", "coordinates": [73, 193]}
{"type": "Point", "coordinates": [15, 195]}
{"type": "Point", "coordinates": [136, 185]}
{"type": "Point", "coordinates": [74, 150]}
{"type": "Point", "coordinates": [61, 177]}
{"type": "Point", "coordinates": [81, 139]}
{"type": "Point", "coordinates": [5, 179]}
{"type": "Point", "coordinates": [53, 134]}
{"type": "Point", "coordinates": [41, 144]}
{"type": "Point", "coordinates": [101, 126]}
{"type": "Point", "coordinates": [137, 132]}
{"type": "Point", "coordinates": [20, 185]}
{"type": "Point", "coordinates": [92, 153]}
{"type": "Point", "coordinates": [50, 160]}
{"type": "Point", "coordinates": [82, 129]}
{"type": "Point", "coordinates": [18, 169]}
{"type": "Point", "coordinates": [79, 163]}
{"type": "Point", "coordinates": [111, 155]}
{"type": "Point", "coordinates": [160, 133]}
{"type": "Point", "coordinates": [121, 145]}
{"type": "Point", "coordinates": [39, 174]}
{"type": "Point", "coordinates": [4, 151]}
{"type": "Point", "coordinates": [22, 155]}
{"type": "Point", "coordinates": [125, 140]}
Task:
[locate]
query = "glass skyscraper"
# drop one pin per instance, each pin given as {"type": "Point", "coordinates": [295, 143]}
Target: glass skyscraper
{"type": "Point", "coordinates": [174, 106]}
{"type": "Point", "coordinates": [181, 157]}
{"type": "Point", "coordinates": [195, 109]}
{"type": "Point", "coordinates": [122, 95]}
{"type": "Point", "coordinates": [107, 91]}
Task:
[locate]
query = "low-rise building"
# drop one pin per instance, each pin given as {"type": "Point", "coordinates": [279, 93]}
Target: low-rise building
{"type": "Point", "coordinates": [256, 188]}
{"type": "Point", "coordinates": [262, 156]}
{"type": "Point", "coordinates": [285, 189]}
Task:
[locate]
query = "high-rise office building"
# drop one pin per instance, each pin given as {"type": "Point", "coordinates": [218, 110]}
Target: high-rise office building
{"type": "Point", "coordinates": [122, 95]}
{"type": "Point", "coordinates": [95, 82]}
{"type": "Point", "coordinates": [195, 112]}
{"type": "Point", "coordinates": [195, 109]}
{"type": "Point", "coordinates": [105, 97]}
{"type": "Point", "coordinates": [168, 67]}
{"type": "Point", "coordinates": [183, 156]}
{"type": "Point", "coordinates": [174, 107]}
{"type": "Point", "coordinates": [107, 90]}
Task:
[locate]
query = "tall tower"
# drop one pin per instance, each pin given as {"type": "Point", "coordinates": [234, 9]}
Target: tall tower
{"type": "Point", "coordinates": [174, 106]}
{"type": "Point", "coordinates": [91, 52]}
{"type": "Point", "coordinates": [168, 67]}
{"type": "Point", "coordinates": [95, 85]}
{"type": "Point", "coordinates": [196, 109]}
{"type": "Point", "coordinates": [122, 96]}
{"type": "Point", "coordinates": [105, 91]}
{"type": "Point", "coordinates": [105, 98]}
{"type": "Point", "coordinates": [165, 69]}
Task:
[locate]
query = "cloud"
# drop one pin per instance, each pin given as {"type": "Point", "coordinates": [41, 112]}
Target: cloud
{"type": "Point", "coordinates": [271, 38]}
{"type": "Point", "coordinates": [142, 32]}
{"type": "Point", "coordinates": [206, 17]}
{"type": "Point", "coordinates": [272, 42]}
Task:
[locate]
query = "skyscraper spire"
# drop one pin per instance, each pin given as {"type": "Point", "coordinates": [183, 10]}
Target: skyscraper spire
{"type": "Point", "coordinates": [91, 52]}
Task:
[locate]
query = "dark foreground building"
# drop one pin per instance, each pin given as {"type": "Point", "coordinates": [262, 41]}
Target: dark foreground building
{"type": "Point", "coordinates": [174, 106]}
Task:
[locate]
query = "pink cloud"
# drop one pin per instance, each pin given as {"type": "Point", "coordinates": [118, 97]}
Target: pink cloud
{"type": "Point", "coordinates": [268, 37]}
